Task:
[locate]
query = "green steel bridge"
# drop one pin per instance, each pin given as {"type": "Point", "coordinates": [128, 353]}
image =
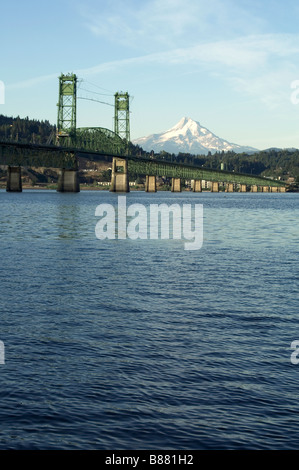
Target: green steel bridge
{"type": "Point", "coordinates": [55, 156]}
{"type": "Point", "coordinates": [95, 142]}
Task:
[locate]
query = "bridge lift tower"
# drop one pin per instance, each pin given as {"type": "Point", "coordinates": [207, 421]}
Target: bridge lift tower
{"type": "Point", "coordinates": [122, 116]}
{"type": "Point", "coordinates": [67, 133]}
{"type": "Point", "coordinates": [67, 107]}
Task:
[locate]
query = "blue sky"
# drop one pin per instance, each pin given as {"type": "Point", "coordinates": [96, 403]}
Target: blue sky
{"type": "Point", "coordinates": [228, 64]}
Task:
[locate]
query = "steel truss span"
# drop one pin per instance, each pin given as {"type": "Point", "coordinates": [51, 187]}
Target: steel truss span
{"type": "Point", "coordinates": [141, 166]}
{"type": "Point", "coordinates": [99, 139]}
{"type": "Point", "coordinates": [33, 155]}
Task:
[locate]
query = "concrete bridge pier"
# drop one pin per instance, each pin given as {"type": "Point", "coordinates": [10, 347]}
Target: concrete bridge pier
{"type": "Point", "coordinates": [176, 185]}
{"type": "Point", "coordinates": [243, 188]}
{"type": "Point", "coordinates": [150, 184]}
{"type": "Point", "coordinates": [68, 181]}
{"type": "Point", "coordinates": [214, 187]}
{"type": "Point", "coordinates": [282, 189]}
{"type": "Point", "coordinates": [230, 187]}
{"type": "Point", "coordinates": [119, 176]}
{"type": "Point", "coordinates": [197, 187]}
{"type": "Point", "coordinates": [274, 189]}
{"type": "Point", "coordinates": [253, 188]}
{"type": "Point", "coordinates": [265, 189]}
{"type": "Point", "coordinates": [14, 182]}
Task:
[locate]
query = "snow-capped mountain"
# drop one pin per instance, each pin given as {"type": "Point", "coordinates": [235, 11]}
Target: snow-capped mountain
{"type": "Point", "coordinates": [188, 136]}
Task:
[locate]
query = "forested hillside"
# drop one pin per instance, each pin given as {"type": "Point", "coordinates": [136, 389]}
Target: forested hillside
{"type": "Point", "coordinates": [26, 130]}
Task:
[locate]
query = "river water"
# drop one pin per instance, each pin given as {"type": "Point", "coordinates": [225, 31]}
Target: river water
{"type": "Point", "coordinates": [140, 344]}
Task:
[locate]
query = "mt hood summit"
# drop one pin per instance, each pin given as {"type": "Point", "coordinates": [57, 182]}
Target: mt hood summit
{"type": "Point", "coordinates": [188, 136]}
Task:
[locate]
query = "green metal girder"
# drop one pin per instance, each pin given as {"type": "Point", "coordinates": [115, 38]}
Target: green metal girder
{"type": "Point", "coordinates": [176, 170]}
{"type": "Point", "coordinates": [122, 115]}
{"type": "Point", "coordinates": [33, 156]}
{"type": "Point", "coordinates": [99, 139]}
{"type": "Point", "coordinates": [94, 139]}
{"type": "Point", "coordinates": [67, 105]}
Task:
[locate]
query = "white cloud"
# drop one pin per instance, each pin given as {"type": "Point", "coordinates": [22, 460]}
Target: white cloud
{"type": "Point", "coordinates": [260, 66]}
{"type": "Point", "coordinates": [242, 55]}
{"type": "Point", "coordinates": [154, 24]}
{"type": "Point", "coordinates": [31, 82]}
{"type": "Point", "coordinates": [257, 65]}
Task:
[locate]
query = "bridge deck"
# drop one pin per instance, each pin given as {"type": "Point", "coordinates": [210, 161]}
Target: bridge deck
{"type": "Point", "coordinates": [39, 155]}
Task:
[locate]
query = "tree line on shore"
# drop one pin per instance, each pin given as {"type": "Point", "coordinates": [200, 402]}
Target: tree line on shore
{"type": "Point", "coordinates": [26, 130]}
